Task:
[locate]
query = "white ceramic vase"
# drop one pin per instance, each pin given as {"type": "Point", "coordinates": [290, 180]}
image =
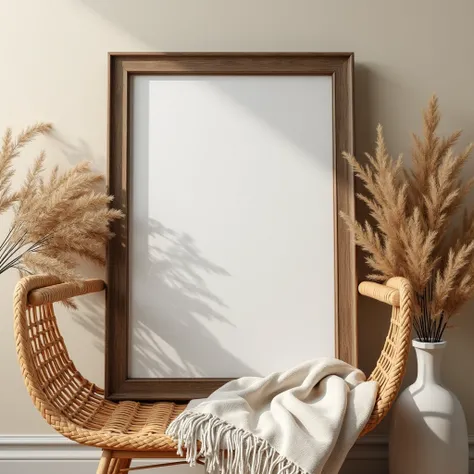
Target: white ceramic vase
{"type": "Point", "coordinates": [428, 434]}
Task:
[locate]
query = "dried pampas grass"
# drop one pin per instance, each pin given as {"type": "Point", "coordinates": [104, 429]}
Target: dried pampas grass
{"type": "Point", "coordinates": [412, 211]}
{"type": "Point", "coordinates": [57, 221]}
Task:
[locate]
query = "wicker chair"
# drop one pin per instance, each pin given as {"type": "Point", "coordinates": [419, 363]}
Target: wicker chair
{"type": "Point", "coordinates": [77, 409]}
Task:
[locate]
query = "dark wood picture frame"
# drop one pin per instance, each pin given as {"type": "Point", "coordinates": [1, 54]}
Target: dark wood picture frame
{"type": "Point", "coordinates": [339, 66]}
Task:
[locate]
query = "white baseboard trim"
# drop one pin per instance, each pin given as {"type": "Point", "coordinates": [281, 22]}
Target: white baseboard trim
{"type": "Point", "coordinates": [369, 455]}
{"type": "Point", "coordinates": [44, 448]}
{"type": "Point", "coordinates": [56, 447]}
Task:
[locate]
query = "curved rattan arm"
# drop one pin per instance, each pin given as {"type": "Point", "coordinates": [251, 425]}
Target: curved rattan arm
{"type": "Point", "coordinates": [382, 293]}
{"type": "Point", "coordinates": [391, 364]}
{"type": "Point", "coordinates": [64, 291]}
{"type": "Point", "coordinates": [70, 403]}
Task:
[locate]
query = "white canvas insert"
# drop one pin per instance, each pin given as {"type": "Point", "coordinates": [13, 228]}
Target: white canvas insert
{"type": "Point", "coordinates": [232, 240]}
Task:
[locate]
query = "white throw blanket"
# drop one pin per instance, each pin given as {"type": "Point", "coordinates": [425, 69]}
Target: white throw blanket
{"type": "Point", "coordinates": [302, 421]}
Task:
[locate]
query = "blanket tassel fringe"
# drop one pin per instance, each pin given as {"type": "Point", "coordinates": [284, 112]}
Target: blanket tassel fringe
{"type": "Point", "coordinates": [224, 448]}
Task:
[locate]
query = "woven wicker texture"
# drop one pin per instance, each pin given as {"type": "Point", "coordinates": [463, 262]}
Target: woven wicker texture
{"type": "Point", "coordinates": [77, 409]}
{"type": "Point", "coordinates": [391, 364]}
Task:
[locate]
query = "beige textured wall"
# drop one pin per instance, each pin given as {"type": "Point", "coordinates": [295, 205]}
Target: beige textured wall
{"type": "Point", "coordinates": [53, 57]}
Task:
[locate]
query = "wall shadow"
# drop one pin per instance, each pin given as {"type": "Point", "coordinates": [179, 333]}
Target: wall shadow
{"type": "Point", "coordinates": [172, 308]}
{"type": "Point", "coordinates": [142, 20]}
{"type": "Point", "coordinates": [174, 302]}
{"type": "Point", "coordinates": [285, 117]}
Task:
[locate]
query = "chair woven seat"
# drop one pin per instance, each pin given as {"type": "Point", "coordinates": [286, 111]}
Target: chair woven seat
{"type": "Point", "coordinates": [77, 408]}
{"type": "Point", "coordinates": [125, 425]}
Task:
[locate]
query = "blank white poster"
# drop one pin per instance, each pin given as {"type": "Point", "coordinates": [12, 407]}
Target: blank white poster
{"type": "Point", "coordinates": [231, 224]}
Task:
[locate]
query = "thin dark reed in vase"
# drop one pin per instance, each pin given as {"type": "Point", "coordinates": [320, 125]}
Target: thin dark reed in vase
{"type": "Point", "coordinates": [412, 217]}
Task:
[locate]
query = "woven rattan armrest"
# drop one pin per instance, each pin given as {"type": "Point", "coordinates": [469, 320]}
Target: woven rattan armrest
{"type": "Point", "coordinates": [70, 403]}
{"type": "Point", "coordinates": [391, 364]}
{"type": "Point", "coordinates": [63, 291]}
{"type": "Point", "coordinates": [383, 293]}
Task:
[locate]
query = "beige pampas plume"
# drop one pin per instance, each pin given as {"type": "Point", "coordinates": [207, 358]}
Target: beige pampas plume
{"type": "Point", "coordinates": [57, 220]}
{"type": "Point", "coordinates": [413, 210]}
{"type": "Point", "coordinates": [9, 151]}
